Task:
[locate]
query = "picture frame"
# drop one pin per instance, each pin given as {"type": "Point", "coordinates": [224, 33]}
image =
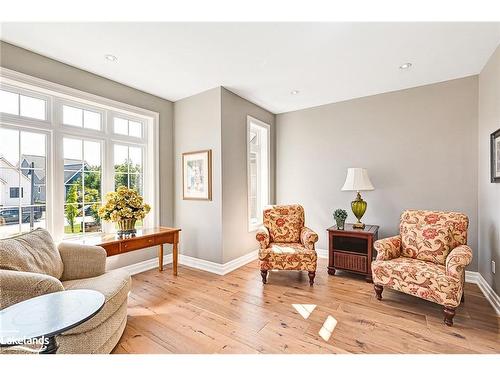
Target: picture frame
{"type": "Point", "coordinates": [197, 175]}
{"type": "Point", "coordinates": [495, 156]}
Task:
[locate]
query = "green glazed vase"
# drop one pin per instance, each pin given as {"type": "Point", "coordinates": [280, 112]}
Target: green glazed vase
{"type": "Point", "coordinates": [358, 207]}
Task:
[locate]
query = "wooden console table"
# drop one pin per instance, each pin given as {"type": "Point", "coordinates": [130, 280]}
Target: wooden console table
{"type": "Point", "coordinates": [143, 239]}
{"type": "Point", "coordinates": [352, 249]}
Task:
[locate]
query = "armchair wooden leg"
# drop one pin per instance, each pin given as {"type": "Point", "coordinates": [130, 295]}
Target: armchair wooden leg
{"type": "Point", "coordinates": [449, 313]}
{"type": "Point", "coordinates": [463, 297]}
{"type": "Point", "coordinates": [378, 291]}
{"type": "Point", "coordinates": [312, 274]}
{"type": "Point", "coordinates": [263, 273]}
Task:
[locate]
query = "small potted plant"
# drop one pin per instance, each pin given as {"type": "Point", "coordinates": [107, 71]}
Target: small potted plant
{"type": "Point", "coordinates": [124, 206]}
{"type": "Point", "coordinates": [340, 215]}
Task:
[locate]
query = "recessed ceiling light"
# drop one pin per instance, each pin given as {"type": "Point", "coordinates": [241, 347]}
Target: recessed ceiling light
{"type": "Point", "coordinates": [111, 58]}
{"type": "Point", "coordinates": [405, 66]}
{"type": "Point", "coordinates": [294, 92]}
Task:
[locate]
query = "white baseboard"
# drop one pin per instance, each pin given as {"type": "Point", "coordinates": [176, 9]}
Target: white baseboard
{"type": "Point", "coordinates": [217, 268]}
{"type": "Point", "coordinates": [489, 293]}
{"type": "Point", "coordinates": [147, 265]}
{"type": "Point", "coordinates": [322, 253]}
{"type": "Point", "coordinates": [201, 264]}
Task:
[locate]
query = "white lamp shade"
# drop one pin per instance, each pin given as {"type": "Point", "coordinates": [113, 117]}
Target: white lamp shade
{"type": "Point", "coordinates": [357, 180]}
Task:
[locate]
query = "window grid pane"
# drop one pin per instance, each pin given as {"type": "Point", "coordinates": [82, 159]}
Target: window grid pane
{"type": "Point", "coordinates": [32, 107]}
{"type": "Point", "coordinates": [9, 102]}
{"type": "Point", "coordinates": [23, 208]}
{"type": "Point", "coordinates": [91, 120]}
{"type": "Point", "coordinates": [72, 116]}
{"type": "Point", "coordinates": [83, 189]}
{"type": "Point", "coordinates": [120, 126]}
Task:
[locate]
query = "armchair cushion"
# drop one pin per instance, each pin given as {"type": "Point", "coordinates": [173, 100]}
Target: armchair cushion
{"type": "Point", "coordinates": [457, 221]}
{"type": "Point", "coordinates": [82, 261]}
{"type": "Point", "coordinates": [308, 238]}
{"type": "Point", "coordinates": [426, 242]}
{"type": "Point", "coordinates": [17, 286]}
{"type": "Point", "coordinates": [284, 223]}
{"type": "Point", "coordinates": [426, 280]}
{"type": "Point", "coordinates": [262, 236]}
{"type": "Point", "coordinates": [459, 258]}
{"type": "Point", "coordinates": [388, 248]}
{"type": "Point", "coordinates": [287, 256]}
{"type": "Point", "coordinates": [31, 252]}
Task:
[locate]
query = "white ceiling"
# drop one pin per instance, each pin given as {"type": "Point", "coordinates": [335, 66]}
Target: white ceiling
{"type": "Point", "coordinates": [264, 62]}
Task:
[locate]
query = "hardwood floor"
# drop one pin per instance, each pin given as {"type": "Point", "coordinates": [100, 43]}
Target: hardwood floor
{"type": "Point", "coordinates": [199, 312]}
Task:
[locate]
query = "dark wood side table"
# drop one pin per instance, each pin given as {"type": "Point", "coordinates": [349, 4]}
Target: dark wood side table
{"type": "Point", "coordinates": [351, 249]}
{"type": "Point", "coordinates": [47, 316]}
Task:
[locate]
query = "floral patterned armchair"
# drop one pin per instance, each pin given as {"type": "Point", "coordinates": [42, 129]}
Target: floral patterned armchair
{"type": "Point", "coordinates": [427, 259]}
{"type": "Point", "coordinates": [285, 243]}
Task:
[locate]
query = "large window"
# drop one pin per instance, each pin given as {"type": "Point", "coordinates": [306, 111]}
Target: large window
{"type": "Point", "coordinates": [62, 150]}
{"type": "Point", "coordinates": [258, 170]}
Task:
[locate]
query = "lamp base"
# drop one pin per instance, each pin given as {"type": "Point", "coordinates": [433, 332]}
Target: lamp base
{"type": "Point", "coordinates": [358, 225]}
{"type": "Point", "coordinates": [358, 207]}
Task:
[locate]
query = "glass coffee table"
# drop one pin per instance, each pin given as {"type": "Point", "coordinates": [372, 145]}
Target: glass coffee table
{"type": "Point", "coordinates": [43, 318]}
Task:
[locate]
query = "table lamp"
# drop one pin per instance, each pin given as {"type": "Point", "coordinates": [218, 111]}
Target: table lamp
{"type": "Point", "coordinates": [357, 180]}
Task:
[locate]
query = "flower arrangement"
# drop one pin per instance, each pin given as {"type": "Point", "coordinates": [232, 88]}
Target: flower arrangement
{"type": "Point", "coordinates": [124, 206]}
{"type": "Point", "coordinates": [340, 216]}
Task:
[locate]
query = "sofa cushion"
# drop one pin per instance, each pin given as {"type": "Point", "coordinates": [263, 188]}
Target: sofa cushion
{"type": "Point", "coordinates": [284, 223]}
{"type": "Point", "coordinates": [287, 256]}
{"type": "Point", "coordinates": [430, 243]}
{"type": "Point", "coordinates": [114, 284]}
{"type": "Point", "coordinates": [419, 278]}
{"type": "Point", "coordinates": [31, 252]}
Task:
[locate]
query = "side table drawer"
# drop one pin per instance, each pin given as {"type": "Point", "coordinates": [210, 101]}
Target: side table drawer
{"type": "Point", "coordinates": [112, 249]}
{"type": "Point", "coordinates": [350, 262]}
{"type": "Point", "coordinates": [134, 244]}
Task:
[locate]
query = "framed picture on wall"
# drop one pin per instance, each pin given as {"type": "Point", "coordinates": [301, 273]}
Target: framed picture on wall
{"type": "Point", "coordinates": [495, 156]}
{"type": "Point", "coordinates": [197, 175]}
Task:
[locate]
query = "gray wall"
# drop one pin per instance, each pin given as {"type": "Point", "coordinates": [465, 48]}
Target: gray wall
{"type": "Point", "coordinates": [419, 146]}
{"type": "Point", "coordinates": [27, 62]}
{"type": "Point", "coordinates": [216, 119]}
{"type": "Point", "coordinates": [489, 193]}
{"type": "Point", "coordinates": [237, 240]}
{"type": "Point", "coordinates": [197, 127]}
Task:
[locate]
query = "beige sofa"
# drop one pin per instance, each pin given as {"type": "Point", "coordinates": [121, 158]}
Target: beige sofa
{"type": "Point", "coordinates": [31, 265]}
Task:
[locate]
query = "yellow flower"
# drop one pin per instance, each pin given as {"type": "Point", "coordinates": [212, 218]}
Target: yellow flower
{"type": "Point", "coordinates": [124, 204]}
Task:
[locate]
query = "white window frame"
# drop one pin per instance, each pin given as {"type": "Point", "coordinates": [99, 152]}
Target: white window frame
{"type": "Point", "coordinates": [58, 95]}
{"type": "Point", "coordinates": [252, 227]}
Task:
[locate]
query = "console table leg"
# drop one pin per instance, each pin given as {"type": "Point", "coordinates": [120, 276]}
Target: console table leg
{"type": "Point", "coordinates": [175, 255]}
{"type": "Point", "coordinates": [160, 257]}
{"type": "Point", "coordinates": [51, 347]}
